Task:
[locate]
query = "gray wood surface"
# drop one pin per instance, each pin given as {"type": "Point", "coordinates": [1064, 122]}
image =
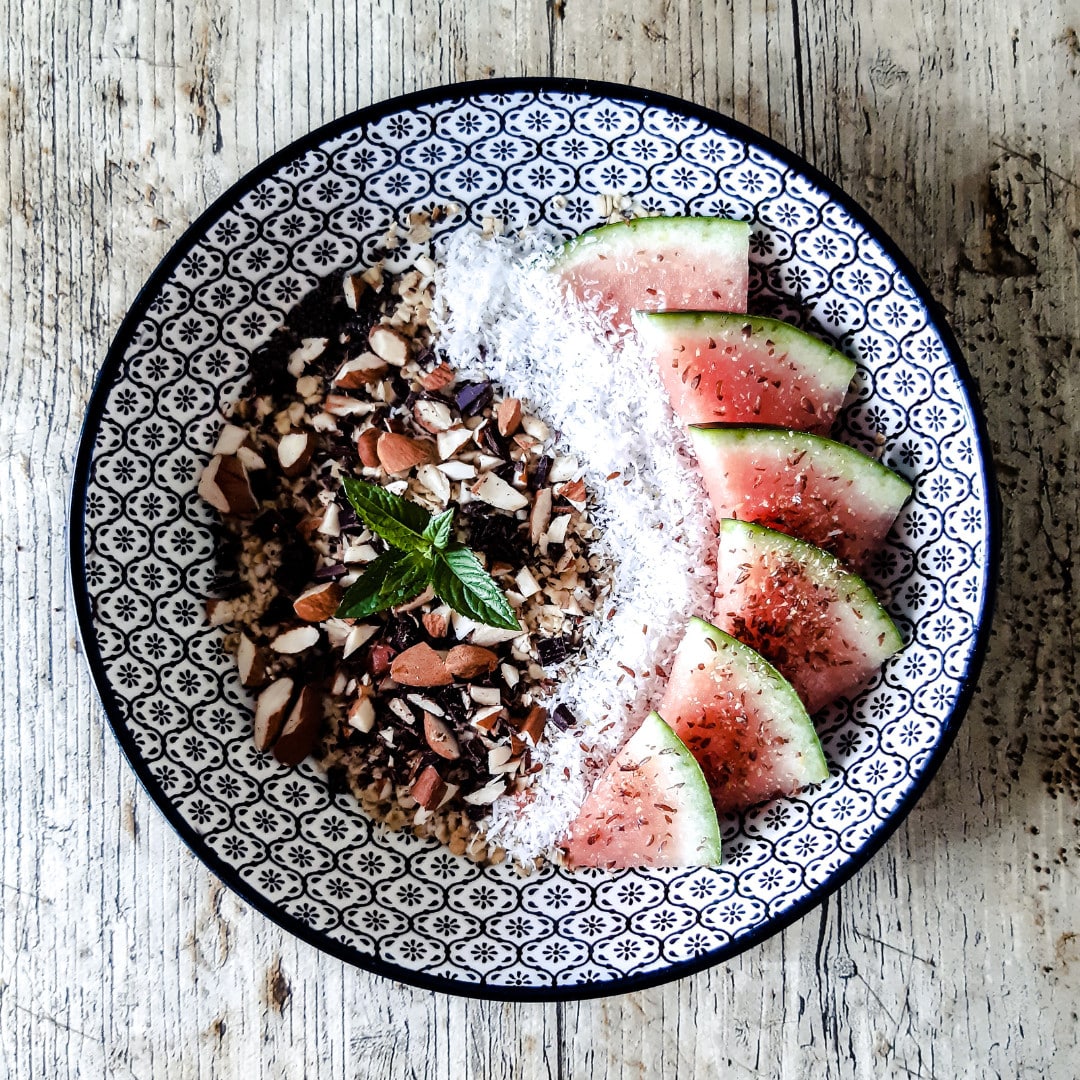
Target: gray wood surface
{"type": "Point", "coordinates": [956, 952]}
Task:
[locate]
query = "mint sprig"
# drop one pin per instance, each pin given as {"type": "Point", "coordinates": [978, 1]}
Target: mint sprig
{"type": "Point", "coordinates": [421, 554]}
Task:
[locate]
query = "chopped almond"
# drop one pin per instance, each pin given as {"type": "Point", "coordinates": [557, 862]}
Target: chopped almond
{"type": "Point", "coordinates": [429, 788]}
{"type": "Point", "coordinates": [508, 415]}
{"type": "Point", "coordinates": [318, 603]}
{"type": "Point", "coordinates": [438, 378]}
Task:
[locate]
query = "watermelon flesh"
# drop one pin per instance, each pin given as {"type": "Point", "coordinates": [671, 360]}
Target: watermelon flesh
{"type": "Point", "coordinates": [821, 491]}
{"type": "Point", "coordinates": [741, 719]}
{"type": "Point", "coordinates": [818, 624]}
{"type": "Point", "coordinates": [656, 264]}
{"type": "Point", "coordinates": [650, 807]}
{"type": "Point", "coordinates": [724, 367]}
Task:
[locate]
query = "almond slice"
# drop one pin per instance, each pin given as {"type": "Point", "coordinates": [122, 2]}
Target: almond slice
{"type": "Point", "coordinates": [399, 453]}
{"type": "Point", "coordinates": [420, 665]}
{"type": "Point", "coordinates": [270, 711]}
{"type": "Point", "coordinates": [318, 603]}
{"type": "Point", "coordinates": [298, 736]}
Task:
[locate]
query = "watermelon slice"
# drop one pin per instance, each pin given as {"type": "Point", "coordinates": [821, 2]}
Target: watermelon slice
{"type": "Point", "coordinates": [816, 622]}
{"type": "Point", "coordinates": [741, 719]}
{"type": "Point", "coordinates": [721, 367]}
{"type": "Point", "coordinates": [658, 263]}
{"type": "Point", "coordinates": [818, 490]}
{"type": "Point", "coordinates": [651, 807]}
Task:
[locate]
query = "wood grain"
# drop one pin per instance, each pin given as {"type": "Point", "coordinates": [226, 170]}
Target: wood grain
{"type": "Point", "coordinates": [956, 952]}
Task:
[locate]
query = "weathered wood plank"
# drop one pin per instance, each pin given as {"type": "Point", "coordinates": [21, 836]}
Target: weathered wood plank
{"type": "Point", "coordinates": [955, 952]}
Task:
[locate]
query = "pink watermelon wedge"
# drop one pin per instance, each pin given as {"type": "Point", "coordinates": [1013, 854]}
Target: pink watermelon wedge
{"type": "Point", "coordinates": [821, 491]}
{"type": "Point", "coordinates": [720, 367]}
{"type": "Point", "coordinates": [818, 624]}
{"type": "Point", "coordinates": [650, 807]}
{"type": "Point", "coordinates": [741, 719]}
{"type": "Point", "coordinates": [657, 264]}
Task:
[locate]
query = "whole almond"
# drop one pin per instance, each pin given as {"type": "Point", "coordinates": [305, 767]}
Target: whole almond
{"type": "Point", "coordinates": [399, 453]}
{"type": "Point", "coordinates": [508, 415]}
{"type": "Point", "coordinates": [420, 665]}
{"type": "Point", "coordinates": [318, 603]}
{"type": "Point", "coordinates": [367, 447]}
{"type": "Point", "coordinates": [468, 661]}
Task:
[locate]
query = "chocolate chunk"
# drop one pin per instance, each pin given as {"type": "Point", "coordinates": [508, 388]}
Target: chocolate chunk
{"type": "Point", "coordinates": [563, 718]}
{"type": "Point", "coordinates": [331, 573]}
{"type": "Point", "coordinates": [403, 631]}
{"type": "Point", "coordinates": [553, 650]}
{"type": "Point", "coordinates": [337, 781]}
{"type": "Point", "coordinates": [473, 398]}
{"type": "Point", "coordinates": [539, 476]}
{"type": "Point", "coordinates": [297, 566]}
{"type": "Point", "coordinates": [269, 524]}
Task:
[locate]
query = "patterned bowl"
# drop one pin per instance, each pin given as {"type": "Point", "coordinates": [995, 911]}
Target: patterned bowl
{"type": "Point", "coordinates": [526, 151]}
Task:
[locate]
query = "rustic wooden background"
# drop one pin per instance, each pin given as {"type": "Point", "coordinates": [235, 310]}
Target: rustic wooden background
{"type": "Point", "coordinates": [956, 952]}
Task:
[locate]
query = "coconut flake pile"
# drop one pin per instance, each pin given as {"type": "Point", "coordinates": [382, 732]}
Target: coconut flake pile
{"type": "Point", "coordinates": [608, 409]}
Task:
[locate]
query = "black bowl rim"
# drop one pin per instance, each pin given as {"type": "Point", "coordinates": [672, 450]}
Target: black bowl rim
{"type": "Point", "coordinates": [109, 370]}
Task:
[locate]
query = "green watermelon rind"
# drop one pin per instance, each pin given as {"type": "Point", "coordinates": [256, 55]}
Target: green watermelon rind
{"type": "Point", "coordinates": [709, 233]}
{"type": "Point", "coordinates": [827, 569]}
{"type": "Point", "coordinates": [816, 357]}
{"type": "Point", "coordinates": [700, 827]}
{"type": "Point", "coordinates": [695, 802]}
{"type": "Point", "coordinates": [875, 483]}
{"type": "Point", "coordinates": [788, 717]}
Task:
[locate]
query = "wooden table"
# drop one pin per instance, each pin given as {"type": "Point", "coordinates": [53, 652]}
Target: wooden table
{"type": "Point", "coordinates": [956, 952]}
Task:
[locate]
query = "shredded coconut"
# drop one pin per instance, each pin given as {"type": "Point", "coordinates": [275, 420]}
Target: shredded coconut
{"type": "Point", "coordinates": [501, 315]}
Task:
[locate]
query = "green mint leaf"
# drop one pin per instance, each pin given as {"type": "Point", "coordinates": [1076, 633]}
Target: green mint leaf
{"type": "Point", "coordinates": [438, 529]}
{"type": "Point", "coordinates": [393, 578]}
{"type": "Point", "coordinates": [398, 521]}
{"type": "Point", "coordinates": [460, 581]}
